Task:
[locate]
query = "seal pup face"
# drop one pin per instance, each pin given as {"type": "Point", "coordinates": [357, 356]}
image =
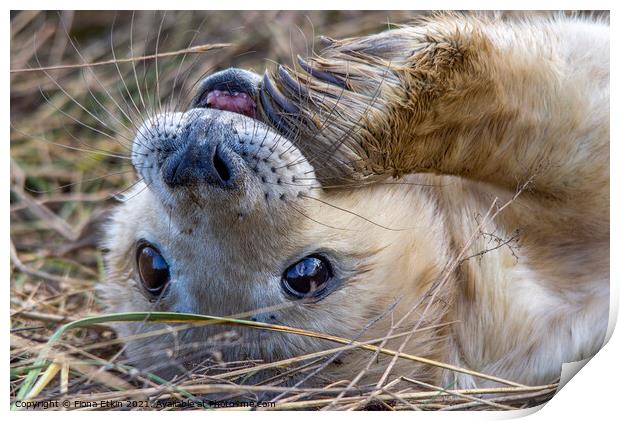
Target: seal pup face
{"type": "Point", "coordinates": [232, 219]}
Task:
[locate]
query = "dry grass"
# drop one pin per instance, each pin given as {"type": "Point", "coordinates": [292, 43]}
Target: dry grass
{"type": "Point", "coordinates": [71, 126]}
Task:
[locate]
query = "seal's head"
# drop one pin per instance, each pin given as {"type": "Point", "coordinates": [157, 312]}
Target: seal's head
{"type": "Point", "coordinates": [238, 216]}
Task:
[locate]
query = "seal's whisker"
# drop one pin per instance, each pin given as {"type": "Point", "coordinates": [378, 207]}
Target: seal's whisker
{"type": "Point", "coordinates": [150, 108]}
{"type": "Point", "coordinates": [82, 107]}
{"type": "Point", "coordinates": [133, 63]}
{"type": "Point", "coordinates": [64, 91]}
{"type": "Point", "coordinates": [180, 67]}
{"type": "Point", "coordinates": [292, 206]}
{"type": "Point", "coordinates": [81, 123]}
{"type": "Point", "coordinates": [120, 194]}
{"type": "Point", "coordinates": [146, 186]}
{"type": "Point", "coordinates": [372, 183]}
{"type": "Point", "coordinates": [157, 90]}
{"type": "Point", "coordinates": [143, 113]}
{"type": "Point", "coordinates": [352, 213]}
{"type": "Point", "coordinates": [98, 150]}
{"type": "Point", "coordinates": [118, 71]}
{"type": "Point", "coordinates": [77, 183]}
{"type": "Point", "coordinates": [101, 85]}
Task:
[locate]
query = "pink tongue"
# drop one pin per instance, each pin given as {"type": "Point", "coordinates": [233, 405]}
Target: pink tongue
{"type": "Point", "coordinates": [236, 102]}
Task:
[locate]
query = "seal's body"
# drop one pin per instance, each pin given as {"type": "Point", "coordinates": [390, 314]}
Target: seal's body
{"type": "Point", "coordinates": [445, 185]}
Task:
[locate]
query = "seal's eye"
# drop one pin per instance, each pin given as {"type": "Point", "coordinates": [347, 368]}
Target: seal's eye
{"type": "Point", "coordinates": [153, 269]}
{"type": "Point", "coordinates": [307, 278]}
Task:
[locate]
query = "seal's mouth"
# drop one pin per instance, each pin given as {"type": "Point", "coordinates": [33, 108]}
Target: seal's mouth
{"type": "Point", "coordinates": [279, 105]}
{"type": "Point", "coordinates": [304, 107]}
{"type": "Point", "coordinates": [236, 102]}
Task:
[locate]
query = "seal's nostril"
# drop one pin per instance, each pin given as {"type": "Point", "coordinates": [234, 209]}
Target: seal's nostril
{"type": "Point", "coordinates": [198, 163]}
{"type": "Point", "coordinates": [220, 166]}
{"type": "Point", "coordinates": [174, 170]}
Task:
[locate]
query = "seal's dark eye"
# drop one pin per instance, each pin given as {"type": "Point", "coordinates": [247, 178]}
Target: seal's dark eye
{"type": "Point", "coordinates": [153, 269]}
{"type": "Point", "coordinates": [307, 278]}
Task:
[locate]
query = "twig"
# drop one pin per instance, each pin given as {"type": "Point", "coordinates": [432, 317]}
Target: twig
{"type": "Point", "coordinates": [460, 395]}
{"type": "Point", "coordinates": [192, 50]}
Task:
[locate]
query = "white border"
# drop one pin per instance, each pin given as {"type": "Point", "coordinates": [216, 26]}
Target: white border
{"type": "Point", "coordinates": [590, 394]}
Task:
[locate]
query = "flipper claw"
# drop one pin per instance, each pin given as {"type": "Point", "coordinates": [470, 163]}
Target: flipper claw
{"type": "Point", "coordinates": [321, 75]}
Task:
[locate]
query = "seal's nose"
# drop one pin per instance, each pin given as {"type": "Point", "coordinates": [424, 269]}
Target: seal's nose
{"type": "Point", "coordinates": [200, 159]}
{"type": "Point", "coordinates": [196, 164]}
